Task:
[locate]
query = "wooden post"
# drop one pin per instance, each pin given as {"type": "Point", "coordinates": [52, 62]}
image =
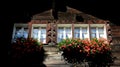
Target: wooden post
{"type": "Point", "coordinates": [29, 29]}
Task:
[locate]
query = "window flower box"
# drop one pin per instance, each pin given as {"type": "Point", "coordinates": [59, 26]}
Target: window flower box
{"type": "Point", "coordinates": [97, 52]}
{"type": "Point", "coordinates": [26, 51]}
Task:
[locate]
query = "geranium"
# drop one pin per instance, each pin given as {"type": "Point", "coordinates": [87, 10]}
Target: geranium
{"type": "Point", "coordinates": [27, 51]}
{"type": "Point", "coordinates": [73, 51]}
{"type": "Point", "coordinates": [97, 51]}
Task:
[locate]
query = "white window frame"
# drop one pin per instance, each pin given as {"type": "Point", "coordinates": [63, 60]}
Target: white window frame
{"type": "Point", "coordinates": [39, 25]}
{"type": "Point", "coordinates": [82, 26]}
{"type": "Point", "coordinates": [64, 27]}
{"type": "Point", "coordinates": [22, 25]}
{"type": "Point", "coordinates": [97, 33]}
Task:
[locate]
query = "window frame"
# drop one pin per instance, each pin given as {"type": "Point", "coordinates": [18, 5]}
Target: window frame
{"type": "Point", "coordinates": [39, 31]}
{"type": "Point", "coordinates": [81, 26]}
{"type": "Point", "coordinates": [97, 33]}
{"type": "Point", "coordinates": [22, 25]}
{"type": "Point", "coordinates": [64, 26]}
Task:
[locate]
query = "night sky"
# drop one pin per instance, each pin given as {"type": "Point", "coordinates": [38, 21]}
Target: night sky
{"type": "Point", "coordinates": [22, 11]}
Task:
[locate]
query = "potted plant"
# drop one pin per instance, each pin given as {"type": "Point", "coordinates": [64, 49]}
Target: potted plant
{"type": "Point", "coordinates": [26, 51]}
{"type": "Point", "coordinates": [98, 52]}
{"type": "Point", "coordinates": [72, 49]}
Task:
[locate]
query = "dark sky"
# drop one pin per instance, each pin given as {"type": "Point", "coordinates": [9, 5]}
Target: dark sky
{"type": "Point", "coordinates": [21, 11]}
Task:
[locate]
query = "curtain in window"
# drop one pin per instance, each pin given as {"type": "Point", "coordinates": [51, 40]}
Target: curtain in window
{"type": "Point", "coordinates": [68, 32]}
{"type": "Point", "coordinates": [18, 32]}
{"type": "Point", "coordinates": [21, 32]}
{"type": "Point", "coordinates": [84, 32]}
{"type": "Point", "coordinates": [101, 32]}
{"type": "Point", "coordinates": [93, 32]}
{"type": "Point", "coordinates": [35, 32]}
{"type": "Point", "coordinates": [77, 32]}
{"type": "Point", "coordinates": [43, 35]}
{"type": "Point", "coordinates": [60, 34]}
{"type": "Point", "coordinates": [25, 32]}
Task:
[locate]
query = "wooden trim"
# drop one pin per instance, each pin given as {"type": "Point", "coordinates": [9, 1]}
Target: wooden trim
{"type": "Point", "coordinates": [30, 29]}
{"type": "Point", "coordinates": [72, 30]}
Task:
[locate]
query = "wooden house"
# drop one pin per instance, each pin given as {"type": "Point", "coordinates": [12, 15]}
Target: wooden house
{"type": "Point", "coordinates": [69, 24]}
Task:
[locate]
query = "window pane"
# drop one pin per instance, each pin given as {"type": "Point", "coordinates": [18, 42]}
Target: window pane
{"type": "Point", "coordinates": [93, 30]}
{"type": "Point", "coordinates": [43, 30]}
{"type": "Point", "coordinates": [100, 29]}
{"type": "Point", "coordinates": [84, 30]}
{"type": "Point", "coordinates": [93, 35]}
{"type": "Point", "coordinates": [18, 32]}
{"type": "Point", "coordinates": [84, 35]}
{"type": "Point", "coordinates": [25, 32]}
{"type": "Point", "coordinates": [60, 30]}
{"type": "Point", "coordinates": [35, 32]}
{"type": "Point", "coordinates": [101, 35]}
{"type": "Point", "coordinates": [60, 34]}
{"type": "Point", "coordinates": [77, 32]}
{"type": "Point", "coordinates": [68, 32]}
{"type": "Point", "coordinates": [43, 35]}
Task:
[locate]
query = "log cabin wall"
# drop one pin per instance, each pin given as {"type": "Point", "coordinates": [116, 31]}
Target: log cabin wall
{"type": "Point", "coordinates": [116, 37]}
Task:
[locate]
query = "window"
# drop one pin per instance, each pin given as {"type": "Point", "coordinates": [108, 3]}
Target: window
{"type": "Point", "coordinates": [81, 31]}
{"type": "Point", "coordinates": [39, 32]}
{"type": "Point", "coordinates": [97, 31]}
{"type": "Point", "coordinates": [64, 31]}
{"type": "Point", "coordinates": [20, 30]}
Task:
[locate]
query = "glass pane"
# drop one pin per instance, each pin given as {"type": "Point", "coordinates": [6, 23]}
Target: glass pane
{"type": "Point", "coordinates": [60, 30]}
{"type": "Point", "coordinates": [35, 33]}
{"type": "Point", "coordinates": [100, 29]}
{"type": "Point", "coordinates": [60, 37]}
{"type": "Point", "coordinates": [93, 35]}
{"type": "Point", "coordinates": [77, 35]}
{"type": "Point", "coordinates": [18, 32]}
{"type": "Point", "coordinates": [84, 30]}
{"type": "Point", "coordinates": [43, 30]}
{"type": "Point", "coordinates": [77, 30]}
{"type": "Point", "coordinates": [68, 30]}
{"type": "Point", "coordinates": [101, 35]}
{"type": "Point", "coordinates": [25, 33]}
{"type": "Point", "coordinates": [43, 35]}
{"type": "Point", "coordinates": [93, 30]}
{"type": "Point", "coordinates": [84, 35]}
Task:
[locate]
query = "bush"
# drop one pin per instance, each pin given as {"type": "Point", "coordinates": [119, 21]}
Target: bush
{"type": "Point", "coordinates": [26, 52]}
{"type": "Point", "coordinates": [96, 51]}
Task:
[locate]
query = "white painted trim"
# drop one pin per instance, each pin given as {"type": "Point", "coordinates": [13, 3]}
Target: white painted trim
{"type": "Point", "coordinates": [64, 28]}
{"type": "Point", "coordinates": [22, 25]}
{"type": "Point", "coordinates": [64, 25]}
{"type": "Point", "coordinates": [99, 25]}
{"type": "Point", "coordinates": [81, 25]}
{"type": "Point", "coordinates": [105, 31]}
{"type": "Point", "coordinates": [39, 25]}
{"type": "Point", "coordinates": [39, 32]}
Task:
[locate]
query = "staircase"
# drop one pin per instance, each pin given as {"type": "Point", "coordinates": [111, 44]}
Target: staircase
{"type": "Point", "coordinates": [54, 58]}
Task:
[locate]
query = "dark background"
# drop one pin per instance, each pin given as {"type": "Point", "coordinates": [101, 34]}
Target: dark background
{"type": "Point", "coordinates": [21, 11]}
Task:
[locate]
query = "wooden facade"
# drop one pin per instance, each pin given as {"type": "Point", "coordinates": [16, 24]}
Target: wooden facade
{"type": "Point", "coordinates": [73, 16]}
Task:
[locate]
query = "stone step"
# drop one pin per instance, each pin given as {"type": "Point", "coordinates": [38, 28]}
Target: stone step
{"type": "Point", "coordinates": [54, 59]}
